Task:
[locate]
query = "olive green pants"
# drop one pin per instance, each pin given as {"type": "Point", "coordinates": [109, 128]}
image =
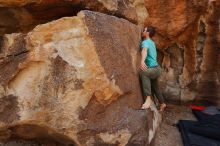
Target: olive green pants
{"type": "Point", "coordinates": [149, 81]}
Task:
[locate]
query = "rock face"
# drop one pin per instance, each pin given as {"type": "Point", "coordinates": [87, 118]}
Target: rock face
{"type": "Point", "coordinates": [188, 39]}
{"type": "Point", "coordinates": [75, 80]}
{"type": "Point", "coordinates": [27, 14]}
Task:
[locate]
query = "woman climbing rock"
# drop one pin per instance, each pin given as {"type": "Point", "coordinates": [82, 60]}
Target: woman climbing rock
{"type": "Point", "coordinates": [150, 69]}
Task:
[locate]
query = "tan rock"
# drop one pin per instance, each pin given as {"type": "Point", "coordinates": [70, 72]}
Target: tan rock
{"type": "Point", "coordinates": [141, 10]}
{"type": "Point", "coordinates": [77, 82]}
{"type": "Point", "coordinates": [187, 95]}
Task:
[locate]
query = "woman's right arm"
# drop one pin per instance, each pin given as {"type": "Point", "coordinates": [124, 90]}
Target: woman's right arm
{"type": "Point", "coordinates": [143, 66]}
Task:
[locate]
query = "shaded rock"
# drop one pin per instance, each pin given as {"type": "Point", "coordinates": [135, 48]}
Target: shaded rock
{"type": "Point", "coordinates": [9, 106]}
{"type": "Point", "coordinates": [13, 45]}
{"type": "Point", "coordinates": [187, 38]}
{"type": "Point", "coordinates": [77, 83]}
{"type": "Point", "coordinates": [209, 83]}
{"type": "Point", "coordinates": [27, 14]}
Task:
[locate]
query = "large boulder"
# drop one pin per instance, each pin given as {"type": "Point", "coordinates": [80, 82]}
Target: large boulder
{"type": "Point", "coordinates": [75, 80]}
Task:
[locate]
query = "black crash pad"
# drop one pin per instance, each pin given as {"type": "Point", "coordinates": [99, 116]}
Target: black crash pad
{"type": "Point", "coordinates": [193, 139]}
{"type": "Point", "coordinates": [208, 125]}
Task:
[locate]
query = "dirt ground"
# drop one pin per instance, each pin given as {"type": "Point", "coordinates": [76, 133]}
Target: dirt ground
{"type": "Point", "coordinates": [168, 134]}
{"type": "Point", "coordinates": [19, 142]}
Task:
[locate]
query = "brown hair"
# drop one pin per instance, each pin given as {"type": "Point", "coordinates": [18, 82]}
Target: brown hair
{"type": "Point", "coordinates": [151, 30]}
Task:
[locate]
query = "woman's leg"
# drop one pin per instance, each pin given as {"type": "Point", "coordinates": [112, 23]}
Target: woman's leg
{"type": "Point", "coordinates": [146, 88]}
{"type": "Point", "coordinates": [156, 90]}
{"type": "Point", "coordinates": [158, 94]}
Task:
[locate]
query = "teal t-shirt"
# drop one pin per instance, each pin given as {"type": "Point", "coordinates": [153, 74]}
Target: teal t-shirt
{"type": "Point", "coordinates": [151, 59]}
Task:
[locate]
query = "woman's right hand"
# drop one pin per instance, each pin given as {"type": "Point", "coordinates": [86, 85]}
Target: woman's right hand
{"type": "Point", "coordinates": [143, 66]}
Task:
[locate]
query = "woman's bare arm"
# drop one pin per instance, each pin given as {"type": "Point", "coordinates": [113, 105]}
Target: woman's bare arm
{"type": "Point", "coordinates": [143, 57]}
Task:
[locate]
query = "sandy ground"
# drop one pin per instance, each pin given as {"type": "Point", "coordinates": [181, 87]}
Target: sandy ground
{"type": "Point", "coordinates": [168, 134]}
